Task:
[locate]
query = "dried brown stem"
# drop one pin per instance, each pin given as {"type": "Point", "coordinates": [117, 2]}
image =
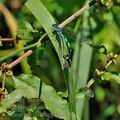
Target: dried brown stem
{"type": "Point", "coordinates": [29, 52]}
{"type": "Point", "coordinates": [7, 39]}
{"type": "Point", "coordinates": [75, 15]}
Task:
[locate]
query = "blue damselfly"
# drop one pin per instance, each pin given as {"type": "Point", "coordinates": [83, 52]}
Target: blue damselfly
{"type": "Point", "coordinates": [64, 45]}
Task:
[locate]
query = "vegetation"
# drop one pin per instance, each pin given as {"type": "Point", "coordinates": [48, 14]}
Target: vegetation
{"type": "Point", "coordinates": [51, 70]}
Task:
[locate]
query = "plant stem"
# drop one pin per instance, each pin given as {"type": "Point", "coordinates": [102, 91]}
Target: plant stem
{"type": "Point", "coordinates": [7, 39]}
{"type": "Point", "coordinates": [20, 59]}
{"type": "Point", "coordinates": [108, 64]}
{"type": "Point", "coordinates": [22, 49]}
{"type": "Point", "coordinates": [76, 14]}
{"type": "Point", "coordinates": [17, 51]}
{"type": "Point", "coordinates": [3, 83]}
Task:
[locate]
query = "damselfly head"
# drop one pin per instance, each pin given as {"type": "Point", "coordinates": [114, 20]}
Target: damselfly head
{"type": "Point", "coordinates": [55, 28]}
{"type": "Point", "coordinates": [54, 25]}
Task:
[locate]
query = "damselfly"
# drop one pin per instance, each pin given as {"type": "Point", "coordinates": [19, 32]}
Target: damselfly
{"type": "Point", "coordinates": [66, 48]}
{"type": "Point", "coordinates": [64, 45]}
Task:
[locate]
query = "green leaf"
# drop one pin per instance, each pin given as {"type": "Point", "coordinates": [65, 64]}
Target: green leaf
{"type": "Point", "coordinates": [25, 86]}
{"type": "Point", "coordinates": [24, 25]}
{"type": "Point", "coordinates": [13, 97]}
{"type": "Point", "coordinates": [28, 25]}
{"type": "Point", "coordinates": [54, 103]}
{"type": "Point", "coordinates": [111, 76]}
{"type": "Point", "coordinates": [26, 31]}
{"type": "Point", "coordinates": [108, 3]}
{"type": "Point", "coordinates": [29, 81]}
{"type": "Point", "coordinates": [106, 76]}
{"type": "Point", "coordinates": [28, 86]}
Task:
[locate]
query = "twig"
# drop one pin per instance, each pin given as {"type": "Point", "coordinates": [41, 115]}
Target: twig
{"type": "Point", "coordinates": [78, 13]}
{"type": "Point", "coordinates": [75, 15]}
{"type": "Point", "coordinates": [29, 52]}
{"type": "Point", "coordinates": [17, 51]}
{"type": "Point", "coordinates": [108, 64]}
{"type": "Point", "coordinates": [22, 49]}
{"type": "Point", "coordinates": [7, 39]}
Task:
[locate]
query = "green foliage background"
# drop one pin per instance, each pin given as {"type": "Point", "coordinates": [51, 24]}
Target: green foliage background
{"type": "Point", "coordinates": [99, 25]}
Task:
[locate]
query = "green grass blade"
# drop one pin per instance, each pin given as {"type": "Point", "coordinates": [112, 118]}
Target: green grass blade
{"type": "Point", "coordinates": [46, 20]}
{"type": "Point", "coordinates": [86, 110]}
{"type": "Point", "coordinates": [81, 65]}
{"type": "Point", "coordinates": [83, 73]}
{"type": "Point", "coordinates": [72, 93]}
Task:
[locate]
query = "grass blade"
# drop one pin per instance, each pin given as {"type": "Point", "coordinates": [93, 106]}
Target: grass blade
{"type": "Point", "coordinates": [81, 65]}
{"type": "Point", "coordinates": [46, 20]}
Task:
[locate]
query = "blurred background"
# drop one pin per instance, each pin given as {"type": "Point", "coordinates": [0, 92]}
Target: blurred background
{"type": "Point", "coordinates": [104, 30]}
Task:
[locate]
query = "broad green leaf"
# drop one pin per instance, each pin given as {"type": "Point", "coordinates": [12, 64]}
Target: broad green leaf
{"type": "Point", "coordinates": [25, 86]}
{"type": "Point", "coordinates": [25, 80]}
{"type": "Point", "coordinates": [13, 97]}
{"type": "Point", "coordinates": [54, 103]}
{"type": "Point", "coordinates": [28, 86]}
